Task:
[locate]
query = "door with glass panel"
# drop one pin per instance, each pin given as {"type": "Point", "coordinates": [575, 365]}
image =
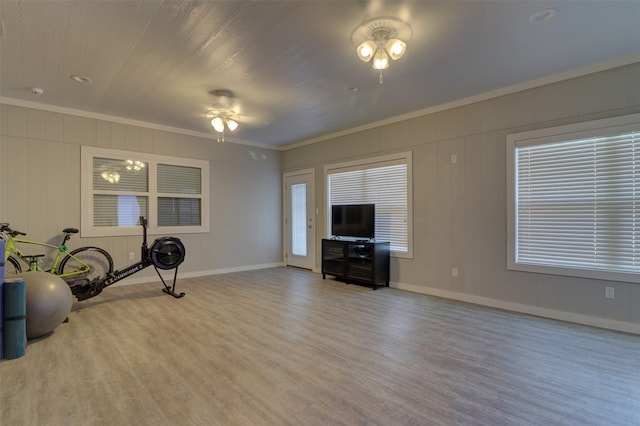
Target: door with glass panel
{"type": "Point", "coordinates": [299, 219]}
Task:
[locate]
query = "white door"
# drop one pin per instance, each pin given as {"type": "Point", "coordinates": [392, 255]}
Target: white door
{"type": "Point", "coordinates": [299, 219]}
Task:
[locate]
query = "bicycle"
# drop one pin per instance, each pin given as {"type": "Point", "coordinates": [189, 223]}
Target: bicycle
{"type": "Point", "coordinates": [77, 267]}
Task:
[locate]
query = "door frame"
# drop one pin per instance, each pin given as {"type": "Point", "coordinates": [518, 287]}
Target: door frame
{"type": "Point", "coordinates": [311, 242]}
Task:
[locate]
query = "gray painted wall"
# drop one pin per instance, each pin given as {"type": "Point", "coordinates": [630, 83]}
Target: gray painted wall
{"type": "Point", "coordinates": [40, 155]}
{"type": "Point", "coordinates": [459, 209]}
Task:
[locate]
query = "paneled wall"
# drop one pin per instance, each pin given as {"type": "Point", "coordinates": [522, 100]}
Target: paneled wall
{"type": "Point", "coordinates": [40, 188]}
{"type": "Point", "coordinates": [459, 209]}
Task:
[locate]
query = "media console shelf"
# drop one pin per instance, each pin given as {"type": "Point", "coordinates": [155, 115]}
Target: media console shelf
{"type": "Point", "coordinates": [356, 261]}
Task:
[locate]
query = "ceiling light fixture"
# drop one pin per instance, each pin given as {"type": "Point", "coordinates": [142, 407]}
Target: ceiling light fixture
{"type": "Point", "coordinates": [221, 119]}
{"type": "Point", "coordinates": [379, 39]}
{"type": "Point", "coordinates": [222, 116]}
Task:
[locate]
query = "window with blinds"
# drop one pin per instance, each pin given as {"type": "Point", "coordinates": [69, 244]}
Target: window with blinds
{"type": "Point", "coordinates": [576, 204]}
{"type": "Point", "coordinates": [179, 189]}
{"type": "Point", "coordinates": [385, 182]}
{"type": "Point", "coordinates": [170, 192]}
{"type": "Point", "coordinates": [121, 194]}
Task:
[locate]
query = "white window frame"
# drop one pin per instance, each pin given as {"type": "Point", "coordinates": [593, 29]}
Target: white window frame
{"type": "Point", "coordinates": [87, 192]}
{"type": "Point", "coordinates": [596, 128]}
{"type": "Point", "coordinates": [381, 161]}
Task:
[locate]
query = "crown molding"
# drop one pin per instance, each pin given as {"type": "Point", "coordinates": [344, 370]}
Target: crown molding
{"type": "Point", "coordinates": [531, 84]}
{"type": "Point", "coordinates": [128, 121]}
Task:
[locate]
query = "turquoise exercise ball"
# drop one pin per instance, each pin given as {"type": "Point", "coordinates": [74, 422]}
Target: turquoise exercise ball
{"type": "Point", "coordinates": [49, 301]}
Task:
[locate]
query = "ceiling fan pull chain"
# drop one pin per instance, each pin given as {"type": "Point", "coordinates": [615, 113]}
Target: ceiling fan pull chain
{"type": "Point", "coordinates": [381, 80]}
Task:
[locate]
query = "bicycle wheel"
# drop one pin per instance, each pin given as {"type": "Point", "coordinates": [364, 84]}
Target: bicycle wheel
{"type": "Point", "coordinates": [86, 263]}
{"type": "Point", "coordinates": [12, 266]}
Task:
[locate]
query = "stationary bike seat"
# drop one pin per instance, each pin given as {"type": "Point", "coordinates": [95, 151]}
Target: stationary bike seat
{"type": "Point", "coordinates": [70, 230]}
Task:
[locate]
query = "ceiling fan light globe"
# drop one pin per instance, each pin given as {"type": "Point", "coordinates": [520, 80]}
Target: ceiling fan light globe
{"type": "Point", "coordinates": [218, 124]}
{"type": "Point", "coordinates": [232, 124]}
{"type": "Point", "coordinates": [396, 48]}
{"type": "Point", "coordinates": [366, 50]}
{"type": "Point", "coordinates": [380, 60]}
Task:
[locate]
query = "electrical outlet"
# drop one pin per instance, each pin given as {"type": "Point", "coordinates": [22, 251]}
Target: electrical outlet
{"type": "Point", "coordinates": [454, 159]}
{"type": "Point", "coordinates": [132, 255]}
{"type": "Point", "coordinates": [609, 292]}
{"type": "Point", "coordinates": [454, 272]}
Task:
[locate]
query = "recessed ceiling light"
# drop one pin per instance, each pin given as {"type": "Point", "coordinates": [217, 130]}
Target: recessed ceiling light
{"type": "Point", "coordinates": [542, 15]}
{"type": "Point", "coordinates": [81, 78]}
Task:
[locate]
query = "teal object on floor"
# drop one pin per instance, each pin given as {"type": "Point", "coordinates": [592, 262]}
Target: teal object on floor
{"type": "Point", "coordinates": [2, 260]}
{"type": "Point", "coordinates": [15, 318]}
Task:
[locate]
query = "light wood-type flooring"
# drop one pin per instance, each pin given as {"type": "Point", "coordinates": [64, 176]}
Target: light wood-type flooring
{"type": "Point", "coordinates": [282, 346]}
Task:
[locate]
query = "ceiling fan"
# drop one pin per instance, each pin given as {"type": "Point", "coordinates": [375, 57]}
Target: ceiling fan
{"type": "Point", "coordinates": [227, 113]}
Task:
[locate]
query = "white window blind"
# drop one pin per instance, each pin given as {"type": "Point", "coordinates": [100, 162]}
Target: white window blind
{"type": "Point", "coordinates": [577, 203]}
{"type": "Point", "coordinates": [120, 195]}
{"type": "Point", "coordinates": [176, 207]}
{"type": "Point", "coordinates": [385, 184]}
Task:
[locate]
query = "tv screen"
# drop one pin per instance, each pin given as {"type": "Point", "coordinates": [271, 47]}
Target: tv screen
{"type": "Point", "coordinates": [353, 220]}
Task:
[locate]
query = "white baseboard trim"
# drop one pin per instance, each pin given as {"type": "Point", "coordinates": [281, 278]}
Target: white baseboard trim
{"type": "Point", "coordinates": [196, 274]}
{"type": "Point", "coordinates": [627, 327]}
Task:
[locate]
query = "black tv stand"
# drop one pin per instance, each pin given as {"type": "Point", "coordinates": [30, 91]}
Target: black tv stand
{"type": "Point", "coordinates": [358, 262]}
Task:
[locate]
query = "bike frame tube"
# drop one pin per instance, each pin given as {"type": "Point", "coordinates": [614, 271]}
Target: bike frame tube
{"type": "Point", "coordinates": [10, 248]}
{"type": "Point", "coordinates": [62, 250]}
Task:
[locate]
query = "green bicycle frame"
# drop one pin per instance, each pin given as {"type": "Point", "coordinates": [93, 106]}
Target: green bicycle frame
{"type": "Point", "coordinates": [35, 264]}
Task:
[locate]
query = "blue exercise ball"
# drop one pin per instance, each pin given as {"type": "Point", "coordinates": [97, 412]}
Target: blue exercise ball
{"type": "Point", "coordinates": [49, 302]}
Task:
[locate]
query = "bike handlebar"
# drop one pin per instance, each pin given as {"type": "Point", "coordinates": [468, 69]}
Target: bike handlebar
{"type": "Point", "coordinates": [4, 227]}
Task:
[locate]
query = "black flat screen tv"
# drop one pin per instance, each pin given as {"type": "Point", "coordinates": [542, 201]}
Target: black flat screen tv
{"type": "Point", "coordinates": [353, 220]}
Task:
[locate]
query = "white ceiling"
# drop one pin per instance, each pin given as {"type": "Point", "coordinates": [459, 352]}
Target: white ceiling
{"type": "Point", "coordinates": [290, 63]}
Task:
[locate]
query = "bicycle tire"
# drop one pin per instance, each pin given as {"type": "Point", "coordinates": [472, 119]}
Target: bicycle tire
{"type": "Point", "coordinates": [99, 261]}
{"type": "Point", "coordinates": [12, 266]}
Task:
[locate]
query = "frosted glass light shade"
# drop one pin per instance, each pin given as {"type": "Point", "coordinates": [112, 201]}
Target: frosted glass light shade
{"type": "Point", "coordinates": [232, 124]}
{"type": "Point", "coordinates": [380, 60]}
{"type": "Point", "coordinates": [396, 48]}
{"type": "Point", "coordinates": [366, 50]}
{"type": "Point", "coordinates": [218, 124]}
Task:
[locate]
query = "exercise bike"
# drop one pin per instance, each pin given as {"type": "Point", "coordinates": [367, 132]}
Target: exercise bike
{"type": "Point", "coordinates": [165, 253]}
